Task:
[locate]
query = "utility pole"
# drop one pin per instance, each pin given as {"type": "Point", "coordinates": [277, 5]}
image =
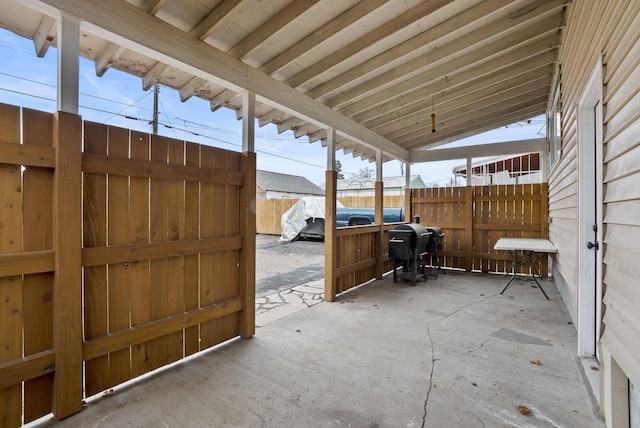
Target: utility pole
{"type": "Point", "coordinates": [154, 122]}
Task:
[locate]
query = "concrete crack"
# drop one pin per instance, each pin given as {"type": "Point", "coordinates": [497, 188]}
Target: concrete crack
{"type": "Point", "coordinates": [433, 365]}
{"type": "Point", "coordinates": [433, 356]}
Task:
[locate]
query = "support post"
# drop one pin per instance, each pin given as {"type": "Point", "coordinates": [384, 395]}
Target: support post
{"type": "Point", "coordinates": [379, 216]}
{"type": "Point", "coordinates": [248, 253]}
{"type": "Point", "coordinates": [68, 63]}
{"type": "Point", "coordinates": [247, 201]}
{"type": "Point", "coordinates": [468, 228]}
{"type": "Point", "coordinates": [408, 207]}
{"type": "Point", "coordinates": [248, 121]}
{"type": "Point", "coordinates": [330, 238]}
{"type": "Point", "coordinates": [67, 282]}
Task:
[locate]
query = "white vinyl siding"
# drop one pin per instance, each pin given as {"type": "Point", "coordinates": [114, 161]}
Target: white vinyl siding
{"type": "Point", "coordinates": [607, 31]}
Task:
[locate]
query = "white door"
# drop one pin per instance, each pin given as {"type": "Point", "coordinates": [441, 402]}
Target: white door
{"type": "Point", "coordinates": [590, 216]}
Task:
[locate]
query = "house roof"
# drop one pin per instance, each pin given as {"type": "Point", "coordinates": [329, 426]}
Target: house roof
{"type": "Point", "coordinates": [515, 164]}
{"type": "Point", "coordinates": [387, 182]}
{"type": "Point", "coordinates": [373, 70]}
{"type": "Point", "coordinates": [276, 182]}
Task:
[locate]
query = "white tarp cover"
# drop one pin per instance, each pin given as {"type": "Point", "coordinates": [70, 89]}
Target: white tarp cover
{"type": "Point", "coordinates": [295, 220]}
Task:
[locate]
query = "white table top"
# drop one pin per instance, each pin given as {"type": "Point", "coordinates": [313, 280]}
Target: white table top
{"type": "Point", "coordinates": [526, 244]}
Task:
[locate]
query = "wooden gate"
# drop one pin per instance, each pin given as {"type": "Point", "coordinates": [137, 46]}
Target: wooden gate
{"type": "Point", "coordinates": [474, 218]}
{"type": "Point", "coordinates": [117, 260]}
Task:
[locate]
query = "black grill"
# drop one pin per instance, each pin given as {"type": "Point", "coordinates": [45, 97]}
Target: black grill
{"type": "Point", "coordinates": [407, 246]}
{"type": "Point", "coordinates": [433, 249]}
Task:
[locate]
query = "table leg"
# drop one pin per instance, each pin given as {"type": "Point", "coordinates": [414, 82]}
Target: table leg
{"type": "Point", "coordinates": [533, 259]}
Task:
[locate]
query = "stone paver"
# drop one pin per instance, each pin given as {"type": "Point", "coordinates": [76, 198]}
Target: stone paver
{"type": "Point", "coordinates": [279, 305]}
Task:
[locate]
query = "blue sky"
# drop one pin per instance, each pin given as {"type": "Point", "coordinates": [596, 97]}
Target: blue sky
{"type": "Point", "coordinates": [118, 99]}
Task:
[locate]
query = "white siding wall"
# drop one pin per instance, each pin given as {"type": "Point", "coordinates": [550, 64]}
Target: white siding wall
{"type": "Point", "coordinates": [607, 29]}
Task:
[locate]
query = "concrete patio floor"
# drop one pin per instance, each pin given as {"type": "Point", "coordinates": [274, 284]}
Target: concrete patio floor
{"type": "Point", "coordinates": [449, 352]}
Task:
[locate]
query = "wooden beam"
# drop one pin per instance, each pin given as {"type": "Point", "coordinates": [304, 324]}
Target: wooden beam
{"type": "Point", "coordinates": [30, 367]}
{"type": "Point", "coordinates": [505, 52]}
{"type": "Point", "coordinates": [149, 330]}
{"type": "Point", "coordinates": [426, 37]}
{"type": "Point", "coordinates": [266, 30]}
{"type": "Point", "coordinates": [126, 24]}
{"type": "Point", "coordinates": [187, 90]}
{"type": "Point", "coordinates": [481, 150]}
{"type": "Point", "coordinates": [377, 34]}
{"type": "Point", "coordinates": [153, 6]}
{"type": "Point", "coordinates": [331, 28]}
{"type": "Point", "coordinates": [42, 40]}
{"type": "Point", "coordinates": [152, 76]}
{"type": "Point", "coordinates": [105, 58]}
{"type": "Point", "coordinates": [210, 22]}
{"type": "Point", "coordinates": [25, 263]}
{"type": "Point", "coordinates": [453, 118]}
{"type": "Point", "coordinates": [486, 41]}
{"type": "Point", "coordinates": [493, 72]}
{"type": "Point", "coordinates": [451, 101]}
{"type": "Point", "coordinates": [26, 155]}
{"type": "Point", "coordinates": [487, 122]}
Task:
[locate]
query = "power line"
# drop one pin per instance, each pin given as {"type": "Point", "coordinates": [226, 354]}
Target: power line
{"type": "Point", "coordinates": [165, 125]}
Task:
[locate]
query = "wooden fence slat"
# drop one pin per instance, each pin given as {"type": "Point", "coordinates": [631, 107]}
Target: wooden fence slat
{"type": "Point", "coordinates": [139, 269]}
{"type": "Point", "coordinates": [95, 282]}
{"type": "Point", "coordinates": [209, 215]}
{"type": "Point", "coordinates": [38, 288]}
{"type": "Point", "coordinates": [118, 273]}
{"type": "Point", "coordinates": [175, 232]}
{"type": "Point", "coordinates": [191, 261]}
{"type": "Point", "coordinates": [11, 305]}
{"type": "Point", "coordinates": [158, 268]}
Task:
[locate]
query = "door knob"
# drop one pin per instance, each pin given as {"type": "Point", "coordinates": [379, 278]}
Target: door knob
{"type": "Point", "coordinates": [590, 245]}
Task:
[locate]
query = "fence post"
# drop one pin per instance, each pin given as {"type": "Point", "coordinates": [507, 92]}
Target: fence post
{"type": "Point", "coordinates": [468, 262]}
{"type": "Point", "coordinates": [67, 285]}
{"type": "Point", "coordinates": [379, 220]}
{"type": "Point", "coordinates": [330, 238]}
{"type": "Point", "coordinates": [248, 252]}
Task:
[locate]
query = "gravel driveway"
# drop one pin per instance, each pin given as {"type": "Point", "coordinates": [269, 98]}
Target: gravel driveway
{"type": "Point", "coordinates": [283, 265]}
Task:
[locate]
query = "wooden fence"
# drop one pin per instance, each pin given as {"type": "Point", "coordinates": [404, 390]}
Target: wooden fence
{"type": "Point", "coordinates": [166, 266]}
{"type": "Point", "coordinates": [269, 211]}
{"type": "Point", "coordinates": [474, 218]}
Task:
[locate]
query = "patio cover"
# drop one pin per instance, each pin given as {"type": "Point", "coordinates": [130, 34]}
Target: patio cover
{"type": "Point", "coordinates": [374, 71]}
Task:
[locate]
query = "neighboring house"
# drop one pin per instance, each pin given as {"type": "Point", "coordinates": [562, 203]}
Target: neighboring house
{"type": "Point", "coordinates": [511, 169]}
{"type": "Point", "coordinates": [273, 185]}
{"type": "Point", "coordinates": [393, 186]}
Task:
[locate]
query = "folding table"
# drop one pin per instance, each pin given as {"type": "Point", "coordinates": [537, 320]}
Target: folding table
{"type": "Point", "coordinates": [529, 250]}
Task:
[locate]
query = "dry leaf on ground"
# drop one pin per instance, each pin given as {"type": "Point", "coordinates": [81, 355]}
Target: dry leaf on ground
{"type": "Point", "coordinates": [524, 410]}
